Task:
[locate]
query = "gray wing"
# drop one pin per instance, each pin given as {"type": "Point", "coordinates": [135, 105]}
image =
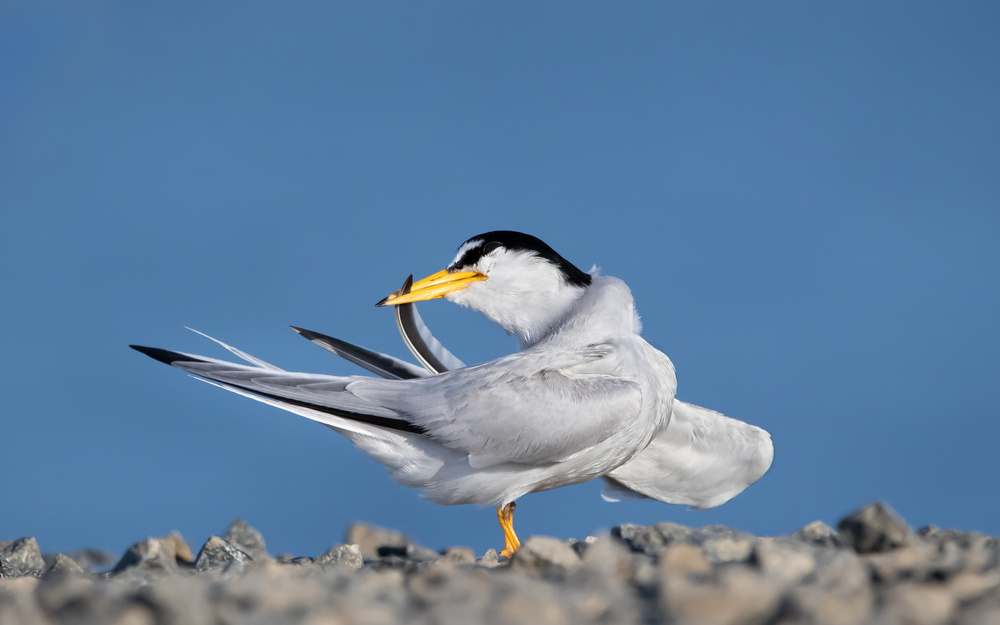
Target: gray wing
{"type": "Point", "coordinates": [382, 365]}
{"type": "Point", "coordinates": [525, 408]}
{"type": "Point", "coordinates": [701, 459]}
{"type": "Point", "coordinates": [531, 408]}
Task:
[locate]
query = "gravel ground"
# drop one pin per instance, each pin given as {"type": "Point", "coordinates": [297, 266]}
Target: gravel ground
{"type": "Point", "coordinates": [872, 569]}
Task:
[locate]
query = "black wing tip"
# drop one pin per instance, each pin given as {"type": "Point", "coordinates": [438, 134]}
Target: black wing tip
{"type": "Point", "coordinates": [309, 334]}
{"type": "Point", "coordinates": [165, 356]}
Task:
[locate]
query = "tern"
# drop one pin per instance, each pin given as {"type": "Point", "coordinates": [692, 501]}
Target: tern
{"type": "Point", "coordinates": [585, 396]}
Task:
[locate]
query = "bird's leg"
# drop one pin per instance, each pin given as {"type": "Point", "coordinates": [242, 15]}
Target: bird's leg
{"type": "Point", "coordinates": [506, 516]}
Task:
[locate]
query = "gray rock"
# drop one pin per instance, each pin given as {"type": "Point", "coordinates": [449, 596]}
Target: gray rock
{"type": "Point", "coordinates": [736, 596]}
{"type": "Point", "coordinates": [968, 587]}
{"type": "Point", "coordinates": [986, 612]}
{"type": "Point", "coordinates": [787, 563]}
{"type": "Point", "coordinates": [489, 559]}
{"type": "Point", "coordinates": [911, 562]}
{"type": "Point", "coordinates": [63, 565]}
{"type": "Point", "coordinates": [179, 600]}
{"type": "Point", "coordinates": [181, 548]}
{"type": "Point", "coordinates": [918, 604]}
{"type": "Point", "coordinates": [609, 558]}
{"type": "Point", "coordinates": [18, 603]}
{"type": "Point", "coordinates": [955, 551]}
{"type": "Point", "coordinates": [370, 538]}
{"type": "Point", "coordinates": [543, 556]}
{"type": "Point", "coordinates": [89, 559]}
{"type": "Point", "coordinates": [246, 539]}
{"type": "Point", "coordinates": [348, 556]}
{"type": "Point", "coordinates": [819, 533]}
{"type": "Point", "coordinates": [21, 557]}
{"type": "Point", "coordinates": [727, 549]}
{"type": "Point", "coordinates": [875, 528]}
{"type": "Point", "coordinates": [839, 593]}
{"type": "Point", "coordinates": [652, 540]}
{"type": "Point", "coordinates": [152, 555]}
{"type": "Point", "coordinates": [218, 553]}
{"type": "Point", "coordinates": [458, 555]}
{"type": "Point", "coordinates": [407, 553]}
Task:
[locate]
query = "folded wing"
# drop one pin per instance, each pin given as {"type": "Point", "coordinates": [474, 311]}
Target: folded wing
{"type": "Point", "coordinates": [701, 459]}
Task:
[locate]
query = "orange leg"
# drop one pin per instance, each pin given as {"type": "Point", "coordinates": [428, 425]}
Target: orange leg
{"type": "Point", "coordinates": [506, 516]}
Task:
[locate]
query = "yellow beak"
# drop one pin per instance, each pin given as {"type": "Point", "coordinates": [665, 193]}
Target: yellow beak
{"type": "Point", "coordinates": [433, 286]}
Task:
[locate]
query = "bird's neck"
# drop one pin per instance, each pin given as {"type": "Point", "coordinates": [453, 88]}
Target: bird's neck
{"type": "Point", "coordinates": [602, 311]}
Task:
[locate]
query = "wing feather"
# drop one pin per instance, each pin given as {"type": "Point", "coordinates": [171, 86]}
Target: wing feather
{"type": "Point", "coordinates": [701, 459]}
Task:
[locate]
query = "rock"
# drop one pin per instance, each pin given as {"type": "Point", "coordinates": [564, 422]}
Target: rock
{"type": "Point", "coordinates": [682, 560]}
{"type": "Point", "coordinates": [246, 539]}
{"type": "Point", "coordinates": [609, 558]}
{"type": "Point", "coordinates": [912, 562]}
{"type": "Point", "coordinates": [489, 559]}
{"type": "Point", "coordinates": [663, 573]}
{"type": "Point", "coordinates": [819, 533]}
{"type": "Point", "coordinates": [651, 540]}
{"type": "Point", "coordinates": [88, 559]}
{"type": "Point", "coordinates": [787, 563]}
{"type": "Point", "coordinates": [181, 549]}
{"type": "Point", "coordinates": [409, 552]}
{"type": "Point", "coordinates": [21, 557]}
{"type": "Point", "coordinates": [218, 553]}
{"type": "Point", "coordinates": [727, 549]}
{"type": "Point", "coordinates": [152, 554]}
{"type": "Point", "coordinates": [63, 565]}
{"type": "Point", "coordinates": [369, 538]}
{"type": "Point", "coordinates": [543, 556]}
{"type": "Point", "coordinates": [986, 612]}
{"type": "Point", "coordinates": [532, 603]}
{"type": "Point", "coordinates": [918, 604]}
{"type": "Point", "coordinates": [18, 603]}
{"type": "Point", "coordinates": [458, 555]}
{"type": "Point", "coordinates": [840, 592]}
{"type": "Point", "coordinates": [968, 587]}
{"type": "Point", "coordinates": [738, 597]}
{"type": "Point", "coordinates": [348, 556]}
{"type": "Point", "coordinates": [875, 528]}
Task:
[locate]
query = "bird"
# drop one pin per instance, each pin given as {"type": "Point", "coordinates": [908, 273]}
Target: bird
{"type": "Point", "coordinates": [583, 397]}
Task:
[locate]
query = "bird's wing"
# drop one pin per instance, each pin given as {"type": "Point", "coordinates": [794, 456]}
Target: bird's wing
{"type": "Point", "coordinates": [322, 398]}
{"type": "Point", "coordinates": [533, 407]}
{"type": "Point", "coordinates": [701, 459]}
{"type": "Point", "coordinates": [382, 365]}
{"type": "Point", "coordinates": [418, 338]}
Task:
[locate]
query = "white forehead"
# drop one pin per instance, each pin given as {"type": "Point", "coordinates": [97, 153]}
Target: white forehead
{"type": "Point", "coordinates": [468, 245]}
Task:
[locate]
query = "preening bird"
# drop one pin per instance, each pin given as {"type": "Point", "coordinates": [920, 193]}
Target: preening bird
{"type": "Point", "coordinates": [584, 397]}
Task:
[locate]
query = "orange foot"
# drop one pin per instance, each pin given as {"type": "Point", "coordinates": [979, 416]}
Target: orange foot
{"type": "Point", "coordinates": [506, 516]}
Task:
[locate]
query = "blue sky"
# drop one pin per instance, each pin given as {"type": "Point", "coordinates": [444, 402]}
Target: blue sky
{"type": "Point", "coordinates": [804, 200]}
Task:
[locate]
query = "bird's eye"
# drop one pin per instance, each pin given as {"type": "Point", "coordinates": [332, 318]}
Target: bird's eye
{"type": "Point", "coordinates": [490, 247]}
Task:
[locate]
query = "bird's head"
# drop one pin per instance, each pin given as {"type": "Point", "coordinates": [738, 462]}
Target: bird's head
{"type": "Point", "coordinates": [515, 279]}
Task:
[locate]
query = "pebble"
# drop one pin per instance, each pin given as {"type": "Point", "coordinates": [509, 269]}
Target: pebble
{"type": "Point", "coordinates": [152, 554]}
{"type": "Point", "coordinates": [875, 571]}
{"type": "Point", "coordinates": [21, 557]}
{"type": "Point", "coordinates": [542, 556]}
{"type": "Point", "coordinates": [348, 556]}
{"type": "Point", "coordinates": [218, 553]}
{"type": "Point", "coordinates": [874, 528]}
{"type": "Point", "coordinates": [246, 539]}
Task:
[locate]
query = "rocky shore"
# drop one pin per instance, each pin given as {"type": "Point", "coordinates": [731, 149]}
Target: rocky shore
{"type": "Point", "coordinates": [872, 569]}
